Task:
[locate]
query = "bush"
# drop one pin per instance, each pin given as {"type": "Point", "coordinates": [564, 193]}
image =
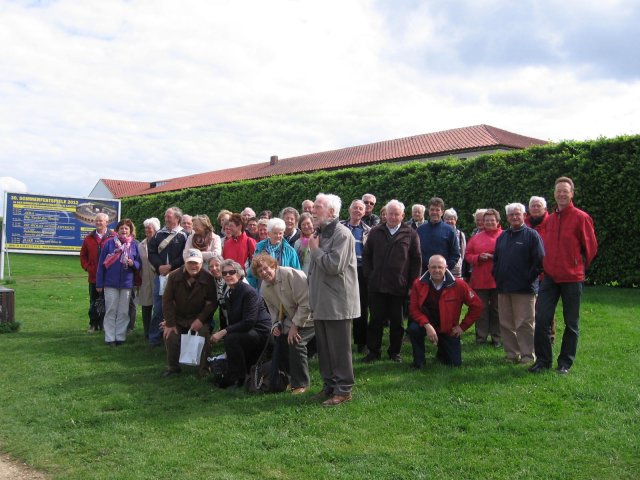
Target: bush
{"type": "Point", "coordinates": [606, 173]}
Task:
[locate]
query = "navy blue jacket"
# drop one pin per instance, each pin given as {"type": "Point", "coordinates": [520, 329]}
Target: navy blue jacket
{"type": "Point", "coordinates": [517, 260]}
{"type": "Point", "coordinates": [438, 238]}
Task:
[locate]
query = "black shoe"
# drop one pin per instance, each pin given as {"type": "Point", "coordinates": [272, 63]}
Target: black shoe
{"type": "Point", "coordinates": [371, 357]}
{"type": "Point", "coordinates": [229, 383]}
{"type": "Point", "coordinates": [168, 372]}
{"type": "Point", "coordinates": [537, 368]}
{"type": "Point", "coordinates": [562, 370]}
{"type": "Point", "coordinates": [395, 358]}
{"type": "Point", "coordinates": [416, 366]}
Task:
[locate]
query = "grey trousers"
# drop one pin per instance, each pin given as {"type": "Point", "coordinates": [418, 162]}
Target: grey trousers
{"type": "Point", "coordinates": [116, 317]}
{"type": "Point", "coordinates": [333, 339]}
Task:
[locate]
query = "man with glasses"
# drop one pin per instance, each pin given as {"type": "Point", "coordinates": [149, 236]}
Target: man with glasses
{"type": "Point", "coordinates": [370, 218]}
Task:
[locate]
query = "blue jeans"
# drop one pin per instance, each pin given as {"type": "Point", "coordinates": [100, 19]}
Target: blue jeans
{"type": "Point", "coordinates": [548, 297]}
{"type": "Point", "coordinates": [449, 348]}
{"type": "Point", "coordinates": [155, 335]}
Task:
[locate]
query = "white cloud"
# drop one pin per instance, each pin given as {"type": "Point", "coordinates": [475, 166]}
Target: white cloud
{"type": "Point", "coordinates": [12, 185]}
{"type": "Point", "coordinates": [145, 90]}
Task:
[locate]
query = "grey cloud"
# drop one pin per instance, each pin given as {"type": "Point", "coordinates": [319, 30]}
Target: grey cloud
{"type": "Point", "coordinates": [597, 40]}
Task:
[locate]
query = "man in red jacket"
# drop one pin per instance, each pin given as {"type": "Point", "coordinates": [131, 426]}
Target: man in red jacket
{"type": "Point", "coordinates": [89, 255]}
{"type": "Point", "coordinates": [434, 307]}
{"type": "Point", "coordinates": [570, 246]}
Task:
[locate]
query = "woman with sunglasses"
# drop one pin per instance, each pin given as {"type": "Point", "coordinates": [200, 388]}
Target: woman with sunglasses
{"type": "Point", "coordinates": [248, 325]}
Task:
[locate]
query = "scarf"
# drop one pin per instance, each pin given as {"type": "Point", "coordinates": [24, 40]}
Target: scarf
{"type": "Point", "coordinates": [275, 251]}
{"type": "Point", "coordinates": [202, 242]}
{"type": "Point", "coordinates": [122, 251]}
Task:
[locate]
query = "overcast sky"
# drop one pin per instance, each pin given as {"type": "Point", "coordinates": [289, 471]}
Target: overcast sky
{"type": "Point", "coordinates": [146, 90]}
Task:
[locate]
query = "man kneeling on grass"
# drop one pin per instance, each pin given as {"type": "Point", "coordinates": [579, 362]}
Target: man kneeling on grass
{"type": "Point", "coordinates": [434, 308]}
{"type": "Point", "coordinates": [188, 303]}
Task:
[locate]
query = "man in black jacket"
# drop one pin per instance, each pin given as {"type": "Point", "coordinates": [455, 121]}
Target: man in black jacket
{"type": "Point", "coordinates": [165, 255]}
{"type": "Point", "coordinates": [391, 261]}
{"type": "Point", "coordinates": [517, 262]}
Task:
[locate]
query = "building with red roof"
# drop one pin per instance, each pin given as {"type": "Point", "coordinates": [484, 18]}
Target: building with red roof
{"type": "Point", "coordinates": [463, 143]}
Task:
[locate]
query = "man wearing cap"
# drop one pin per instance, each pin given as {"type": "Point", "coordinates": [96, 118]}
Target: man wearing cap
{"type": "Point", "coordinates": [188, 303]}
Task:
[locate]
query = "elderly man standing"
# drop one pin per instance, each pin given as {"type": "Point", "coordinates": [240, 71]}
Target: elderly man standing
{"type": "Point", "coordinates": [437, 237]}
{"type": "Point", "coordinates": [360, 231]}
{"type": "Point", "coordinates": [333, 298]}
{"type": "Point", "coordinates": [370, 218]}
{"type": "Point", "coordinates": [89, 255]}
{"type": "Point", "coordinates": [165, 255]}
{"type": "Point", "coordinates": [391, 262]}
{"type": "Point", "coordinates": [570, 246]}
{"type": "Point", "coordinates": [517, 262]}
{"type": "Point", "coordinates": [188, 303]}
{"type": "Point", "coordinates": [417, 216]}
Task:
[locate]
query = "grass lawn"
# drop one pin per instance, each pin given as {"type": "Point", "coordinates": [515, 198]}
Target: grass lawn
{"type": "Point", "coordinates": [77, 409]}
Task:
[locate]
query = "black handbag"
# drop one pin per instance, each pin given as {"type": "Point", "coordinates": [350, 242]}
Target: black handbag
{"type": "Point", "coordinates": [100, 307]}
{"type": "Point", "coordinates": [265, 376]}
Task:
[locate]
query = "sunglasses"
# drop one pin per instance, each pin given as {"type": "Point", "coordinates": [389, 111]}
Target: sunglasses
{"type": "Point", "coordinates": [369, 203]}
{"type": "Point", "coordinates": [228, 273]}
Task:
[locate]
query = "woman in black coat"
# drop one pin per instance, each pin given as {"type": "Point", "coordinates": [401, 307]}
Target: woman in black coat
{"type": "Point", "coordinates": [248, 328]}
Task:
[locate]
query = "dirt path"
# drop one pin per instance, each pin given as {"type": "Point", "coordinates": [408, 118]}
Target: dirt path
{"type": "Point", "coordinates": [12, 470]}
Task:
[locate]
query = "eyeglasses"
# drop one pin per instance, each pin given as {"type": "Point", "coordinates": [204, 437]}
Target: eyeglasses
{"type": "Point", "coordinates": [228, 273]}
{"type": "Point", "coordinates": [367, 202]}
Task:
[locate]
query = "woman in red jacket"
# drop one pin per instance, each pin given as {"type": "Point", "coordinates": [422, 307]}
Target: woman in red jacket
{"type": "Point", "coordinates": [479, 255]}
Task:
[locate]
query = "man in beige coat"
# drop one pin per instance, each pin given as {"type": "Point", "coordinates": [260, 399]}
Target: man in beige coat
{"type": "Point", "coordinates": [333, 298]}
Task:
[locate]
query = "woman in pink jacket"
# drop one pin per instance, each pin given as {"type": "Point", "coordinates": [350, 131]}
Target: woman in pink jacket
{"type": "Point", "coordinates": [479, 255]}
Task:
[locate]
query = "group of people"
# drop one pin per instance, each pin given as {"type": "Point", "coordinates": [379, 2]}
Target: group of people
{"type": "Point", "coordinates": [310, 282]}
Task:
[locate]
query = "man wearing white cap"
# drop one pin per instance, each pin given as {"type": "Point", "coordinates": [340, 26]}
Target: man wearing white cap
{"type": "Point", "coordinates": [188, 303]}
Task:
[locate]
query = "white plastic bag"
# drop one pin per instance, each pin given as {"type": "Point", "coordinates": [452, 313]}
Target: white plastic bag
{"type": "Point", "coordinates": [191, 348]}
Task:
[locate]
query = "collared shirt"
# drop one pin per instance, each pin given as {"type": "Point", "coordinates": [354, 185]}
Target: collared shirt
{"type": "Point", "coordinates": [358, 234]}
{"type": "Point", "coordinates": [393, 230]}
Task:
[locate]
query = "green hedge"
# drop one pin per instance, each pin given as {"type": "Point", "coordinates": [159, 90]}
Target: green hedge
{"type": "Point", "coordinates": [606, 173]}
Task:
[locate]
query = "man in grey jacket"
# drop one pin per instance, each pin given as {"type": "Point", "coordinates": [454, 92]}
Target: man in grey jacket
{"type": "Point", "coordinates": [333, 298]}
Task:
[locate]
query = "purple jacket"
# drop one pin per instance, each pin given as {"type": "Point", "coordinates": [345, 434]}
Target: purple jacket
{"type": "Point", "coordinates": [117, 276]}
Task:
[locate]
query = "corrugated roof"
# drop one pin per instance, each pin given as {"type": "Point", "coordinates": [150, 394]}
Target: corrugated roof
{"type": "Point", "coordinates": [458, 140]}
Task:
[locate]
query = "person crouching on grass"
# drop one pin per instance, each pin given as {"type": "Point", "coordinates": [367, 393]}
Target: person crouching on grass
{"type": "Point", "coordinates": [435, 304]}
{"type": "Point", "coordinates": [188, 303]}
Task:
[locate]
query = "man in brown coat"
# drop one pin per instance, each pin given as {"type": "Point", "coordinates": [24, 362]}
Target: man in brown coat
{"type": "Point", "coordinates": [188, 303]}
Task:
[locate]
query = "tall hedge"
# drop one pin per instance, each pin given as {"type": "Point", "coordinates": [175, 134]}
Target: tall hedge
{"type": "Point", "coordinates": [606, 173]}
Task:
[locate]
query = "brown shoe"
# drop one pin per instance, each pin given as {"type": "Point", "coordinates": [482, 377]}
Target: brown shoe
{"type": "Point", "coordinates": [298, 390]}
{"type": "Point", "coordinates": [336, 400]}
{"type": "Point", "coordinates": [320, 396]}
